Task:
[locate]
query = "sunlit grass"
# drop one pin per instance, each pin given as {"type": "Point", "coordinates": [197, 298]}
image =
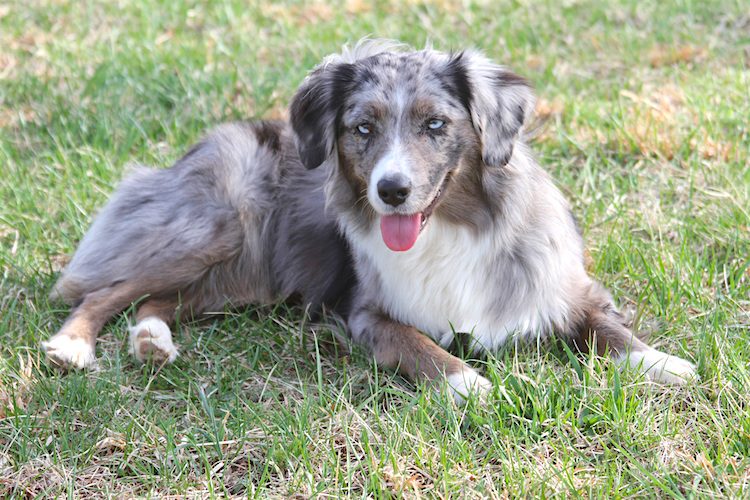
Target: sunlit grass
{"type": "Point", "coordinates": [646, 107]}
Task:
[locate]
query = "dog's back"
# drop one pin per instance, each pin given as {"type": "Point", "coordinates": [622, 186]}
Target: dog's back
{"type": "Point", "coordinates": [236, 219]}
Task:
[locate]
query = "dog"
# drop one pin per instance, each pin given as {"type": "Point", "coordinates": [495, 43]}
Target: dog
{"type": "Point", "coordinates": [401, 194]}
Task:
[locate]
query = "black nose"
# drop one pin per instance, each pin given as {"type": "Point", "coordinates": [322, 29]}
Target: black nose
{"type": "Point", "coordinates": [394, 190]}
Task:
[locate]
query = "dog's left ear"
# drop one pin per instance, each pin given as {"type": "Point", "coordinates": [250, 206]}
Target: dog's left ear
{"type": "Point", "coordinates": [498, 100]}
{"type": "Point", "coordinates": [315, 109]}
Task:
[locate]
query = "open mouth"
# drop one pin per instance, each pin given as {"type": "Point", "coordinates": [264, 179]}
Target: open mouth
{"type": "Point", "coordinates": [400, 232]}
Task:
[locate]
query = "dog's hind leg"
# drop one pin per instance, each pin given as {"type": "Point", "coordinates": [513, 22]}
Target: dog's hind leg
{"type": "Point", "coordinates": [151, 337]}
{"type": "Point", "coordinates": [74, 345]}
{"type": "Point", "coordinates": [180, 230]}
{"type": "Point", "coordinates": [413, 354]}
{"type": "Point", "coordinates": [604, 327]}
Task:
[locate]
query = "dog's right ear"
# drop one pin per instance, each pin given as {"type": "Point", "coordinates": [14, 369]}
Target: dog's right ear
{"type": "Point", "coordinates": [315, 110]}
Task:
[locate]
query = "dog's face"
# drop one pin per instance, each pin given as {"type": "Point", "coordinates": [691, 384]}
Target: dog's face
{"type": "Point", "coordinates": [402, 124]}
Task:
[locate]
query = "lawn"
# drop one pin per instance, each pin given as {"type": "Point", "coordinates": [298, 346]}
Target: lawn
{"type": "Point", "coordinates": [645, 108]}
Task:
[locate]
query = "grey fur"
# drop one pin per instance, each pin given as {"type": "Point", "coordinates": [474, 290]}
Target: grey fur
{"type": "Point", "coordinates": [232, 221]}
{"type": "Point", "coordinates": [266, 211]}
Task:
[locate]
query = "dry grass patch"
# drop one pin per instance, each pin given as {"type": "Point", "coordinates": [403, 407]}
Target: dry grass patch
{"type": "Point", "coordinates": [657, 122]}
{"type": "Point", "coordinates": [16, 384]}
{"type": "Point", "coordinates": [653, 121]}
{"type": "Point", "coordinates": [667, 55]}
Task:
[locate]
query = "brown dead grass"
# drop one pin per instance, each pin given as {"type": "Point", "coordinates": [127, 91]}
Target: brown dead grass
{"type": "Point", "coordinates": [657, 122]}
{"type": "Point", "coordinates": [357, 7]}
{"type": "Point", "coordinates": [546, 108]}
{"type": "Point", "coordinates": [300, 15]}
{"type": "Point", "coordinates": [653, 120]}
{"type": "Point", "coordinates": [667, 55]}
{"type": "Point", "coordinates": [321, 12]}
{"type": "Point", "coordinates": [11, 117]}
{"type": "Point", "coordinates": [42, 477]}
{"type": "Point", "coordinates": [15, 390]}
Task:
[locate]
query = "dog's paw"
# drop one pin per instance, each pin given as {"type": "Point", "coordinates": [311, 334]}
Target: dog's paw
{"type": "Point", "coordinates": [151, 339]}
{"type": "Point", "coordinates": [661, 367]}
{"type": "Point", "coordinates": [66, 351]}
{"type": "Point", "coordinates": [466, 383]}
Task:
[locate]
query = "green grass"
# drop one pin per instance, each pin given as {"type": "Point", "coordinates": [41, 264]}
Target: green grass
{"type": "Point", "coordinates": [647, 107]}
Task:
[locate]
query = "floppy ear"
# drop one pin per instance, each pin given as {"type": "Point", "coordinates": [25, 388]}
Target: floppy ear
{"type": "Point", "coordinates": [498, 100]}
{"type": "Point", "coordinates": [315, 109]}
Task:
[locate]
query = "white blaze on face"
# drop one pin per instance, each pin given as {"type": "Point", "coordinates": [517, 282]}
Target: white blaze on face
{"type": "Point", "coordinates": [395, 162]}
{"type": "Point", "coordinates": [399, 229]}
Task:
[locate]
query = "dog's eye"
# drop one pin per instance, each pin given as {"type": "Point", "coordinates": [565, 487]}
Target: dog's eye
{"type": "Point", "coordinates": [363, 128]}
{"type": "Point", "coordinates": [435, 124]}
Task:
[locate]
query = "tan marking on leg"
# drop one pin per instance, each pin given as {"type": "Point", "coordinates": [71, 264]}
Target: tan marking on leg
{"type": "Point", "coordinates": [402, 347]}
{"type": "Point", "coordinates": [74, 345]}
{"type": "Point", "coordinates": [604, 327]}
{"type": "Point", "coordinates": [164, 309]}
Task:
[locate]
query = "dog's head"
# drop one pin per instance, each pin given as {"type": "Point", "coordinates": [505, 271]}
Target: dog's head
{"type": "Point", "coordinates": [401, 125]}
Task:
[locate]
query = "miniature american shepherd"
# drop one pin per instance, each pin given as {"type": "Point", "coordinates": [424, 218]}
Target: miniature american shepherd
{"type": "Point", "coordinates": [400, 194]}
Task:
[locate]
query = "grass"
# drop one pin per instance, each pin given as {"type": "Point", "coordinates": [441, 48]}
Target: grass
{"type": "Point", "coordinates": [646, 107]}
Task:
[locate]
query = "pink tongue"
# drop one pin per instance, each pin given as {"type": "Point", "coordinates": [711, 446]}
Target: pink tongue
{"type": "Point", "coordinates": [400, 231]}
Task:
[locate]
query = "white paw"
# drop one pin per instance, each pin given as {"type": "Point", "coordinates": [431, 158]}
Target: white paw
{"type": "Point", "coordinates": [467, 382]}
{"type": "Point", "coordinates": [661, 367]}
{"type": "Point", "coordinates": [151, 339]}
{"type": "Point", "coordinates": [70, 352]}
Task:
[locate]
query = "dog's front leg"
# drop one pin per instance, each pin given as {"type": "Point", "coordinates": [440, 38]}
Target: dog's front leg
{"type": "Point", "coordinates": [402, 347]}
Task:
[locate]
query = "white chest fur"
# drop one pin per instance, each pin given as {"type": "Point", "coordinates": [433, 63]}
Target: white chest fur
{"type": "Point", "coordinates": [452, 281]}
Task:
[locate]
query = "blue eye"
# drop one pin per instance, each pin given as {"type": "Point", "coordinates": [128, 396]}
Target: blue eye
{"type": "Point", "coordinates": [435, 124]}
{"type": "Point", "coordinates": [363, 128]}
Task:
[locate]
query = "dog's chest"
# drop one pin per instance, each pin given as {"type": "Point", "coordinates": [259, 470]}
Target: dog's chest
{"type": "Point", "coordinates": [444, 284]}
